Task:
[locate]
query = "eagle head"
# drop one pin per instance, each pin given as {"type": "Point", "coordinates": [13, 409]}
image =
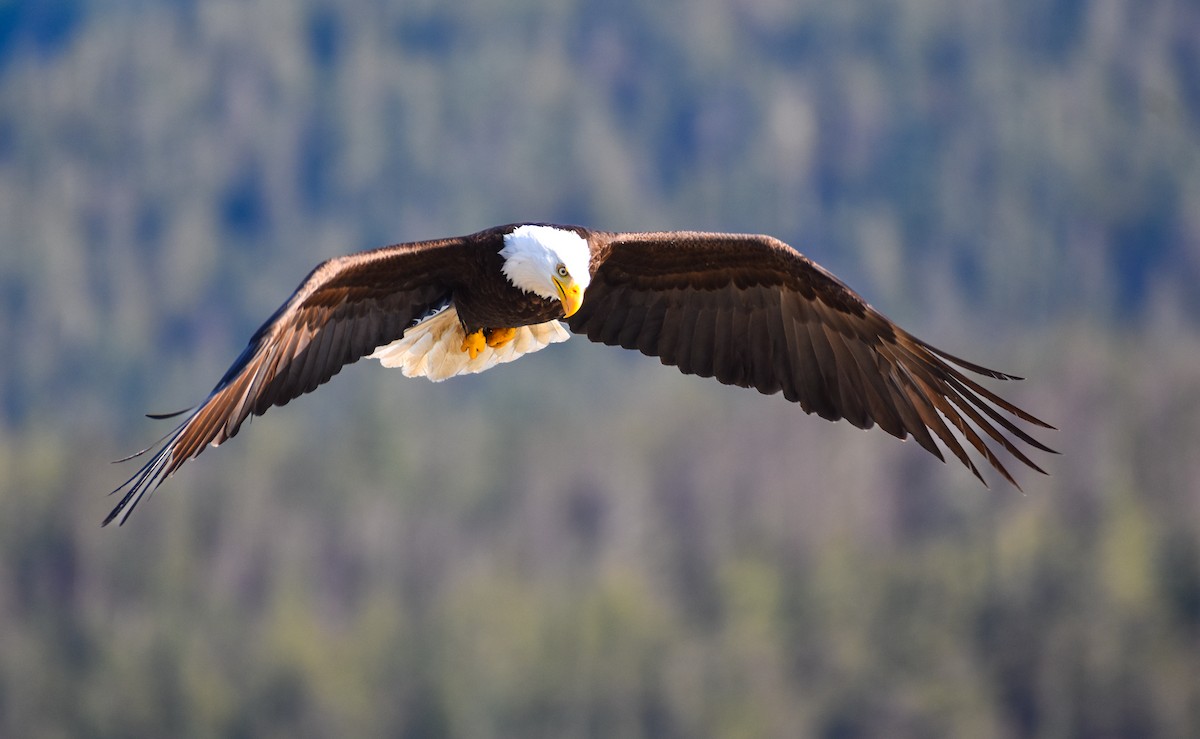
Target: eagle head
{"type": "Point", "coordinates": [549, 262]}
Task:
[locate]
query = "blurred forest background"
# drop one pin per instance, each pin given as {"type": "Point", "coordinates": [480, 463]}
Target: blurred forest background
{"type": "Point", "coordinates": [586, 543]}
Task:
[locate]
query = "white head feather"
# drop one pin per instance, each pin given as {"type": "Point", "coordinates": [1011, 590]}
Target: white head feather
{"type": "Point", "coordinates": [532, 255]}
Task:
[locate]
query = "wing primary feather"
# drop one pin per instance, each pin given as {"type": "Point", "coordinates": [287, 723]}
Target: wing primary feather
{"type": "Point", "coordinates": [600, 311]}
{"type": "Point", "coordinates": [976, 394]}
{"type": "Point", "coordinates": [137, 454]}
{"type": "Point", "coordinates": [142, 480]}
{"type": "Point", "coordinates": [701, 345]}
{"type": "Point", "coordinates": [814, 394]}
{"type": "Point", "coordinates": [668, 337]}
{"type": "Point", "coordinates": [852, 407]}
{"type": "Point", "coordinates": [760, 352]}
{"type": "Point", "coordinates": [799, 365]}
{"type": "Point", "coordinates": [683, 338]}
{"type": "Point", "coordinates": [321, 356]}
{"type": "Point", "coordinates": [724, 345]}
{"type": "Point", "coordinates": [335, 354]}
{"type": "Point", "coordinates": [301, 365]}
{"type": "Point", "coordinates": [195, 438]}
{"type": "Point", "coordinates": [827, 367]}
{"type": "Point", "coordinates": [284, 365]}
{"type": "Point", "coordinates": [313, 356]}
{"type": "Point", "coordinates": [903, 402]}
{"type": "Point", "coordinates": [932, 358]}
{"type": "Point", "coordinates": [652, 324]}
{"type": "Point", "coordinates": [635, 316]}
{"type": "Point", "coordinates": [977, 369]}
{"type": "Point", "coordinates": [741, 372]}
{"type": "Point", "coordinates": [966, 392]}
{"type": "Point", "coordinates": [947, 412]}
{"type": "Point", "coordinates": [246, 399]}
{"type": "Point", "coordinates": [781, 350]}
{"type": "Point", "coordinates": [165, 416]}
{"type": "Point", "coordinates": [973, 437]}
{"type": "Point", "coordinates": [874, 388]}
{"type": "Point", "coordinates": [933, 420]}
{"type": "Point", "coordinates": [988, 394]}
{"type": "Point", "coordinates": [968, 405]}
{"type": "Point", "coordinates": [618, 307]}
{"type": "Point", "coordinates": [361, 329]}
{"type": "Point", "coordinates": [170, 434]}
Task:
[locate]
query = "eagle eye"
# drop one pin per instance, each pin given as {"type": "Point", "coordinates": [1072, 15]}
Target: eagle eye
{"type": "Point", "coordinates": [562, 270]}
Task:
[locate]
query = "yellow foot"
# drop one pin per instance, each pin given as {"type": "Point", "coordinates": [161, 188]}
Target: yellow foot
{"type": "Point", "coordinates": [498, 337]}
{"type": "Point", "coordinates": [474, 343]}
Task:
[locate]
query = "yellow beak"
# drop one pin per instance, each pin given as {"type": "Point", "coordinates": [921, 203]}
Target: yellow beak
{"type": "Point", "coordinates": [570, 295]}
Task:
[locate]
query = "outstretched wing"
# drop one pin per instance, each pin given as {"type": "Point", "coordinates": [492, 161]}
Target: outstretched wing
{"type": "Point", "coordinates": [341, 312]}
{"type": "Point", "coordinates": [751, 311]}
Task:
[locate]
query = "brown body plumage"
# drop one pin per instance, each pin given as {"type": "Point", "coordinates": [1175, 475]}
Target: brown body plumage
{"type": "Point", "coordinates": [748, 310]}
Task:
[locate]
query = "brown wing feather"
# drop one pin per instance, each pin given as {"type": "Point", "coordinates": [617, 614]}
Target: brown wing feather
{"type": "Point", "coordinates": [343, 311]}
{"type": "Point", "coordinates": [751, 311]}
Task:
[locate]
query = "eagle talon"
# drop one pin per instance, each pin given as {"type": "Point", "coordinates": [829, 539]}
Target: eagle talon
{"type": "Point", "coordinates": [498, 337]}
{"type": "Point", "coordinates": [474, 343]}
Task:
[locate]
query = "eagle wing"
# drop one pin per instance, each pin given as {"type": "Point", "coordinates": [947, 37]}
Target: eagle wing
{"type": "Point", "coordinates": [752, 311]}
{"type": "Point", "coordinates": [343, 310]}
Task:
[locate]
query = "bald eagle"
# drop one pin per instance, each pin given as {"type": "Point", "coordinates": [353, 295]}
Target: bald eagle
{"type": "Point", "coordinates": [748, 310]}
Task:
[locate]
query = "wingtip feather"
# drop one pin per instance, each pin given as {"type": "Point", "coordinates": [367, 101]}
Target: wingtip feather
{"type": "Point", "coordinates": [164, 416]}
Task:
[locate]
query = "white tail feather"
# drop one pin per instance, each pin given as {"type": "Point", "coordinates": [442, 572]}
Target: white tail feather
{"type": "Point", "coordinates": [433, 347]}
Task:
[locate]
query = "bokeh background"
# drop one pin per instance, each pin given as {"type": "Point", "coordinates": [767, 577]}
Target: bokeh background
{"type": "Point", "coordinates": [586, 543]}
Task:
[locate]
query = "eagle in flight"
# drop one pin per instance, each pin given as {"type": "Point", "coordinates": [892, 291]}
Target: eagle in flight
{"type": "Point", "coordinates": [746, 309]}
